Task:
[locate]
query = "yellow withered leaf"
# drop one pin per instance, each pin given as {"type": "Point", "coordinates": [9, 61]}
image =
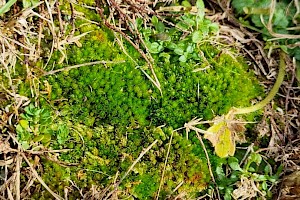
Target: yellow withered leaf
{"type": "Point", "coordinates": [221, 138]}
{"type": "Point", "coordinates": [226, 144]}
{"type": "Point", "coordinates": [213, 131]}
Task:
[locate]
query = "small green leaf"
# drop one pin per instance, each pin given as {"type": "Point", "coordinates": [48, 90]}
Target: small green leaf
{"type": "Point", "coordinates": [38, 138]}
{"type": "Point", "coordinates": [284, 48]}
{"type": "Point", "coordinates": [155, 47]}
{"type": "Point", "coordinates": [273, 179]}
{"type": "Point", "coordinates": [228, 192]}
{"type": "Point", "coordinates": [234, 164]}
{"type": "Point", "coordinates": [139, 23]}
{"type": "Point", "coordinates": [251, 169]}
{"type": "Point", "coordinates": [188, 20]}
{"type": "Point", "coordinates": [172, 46]}
{"type": "Point", "coordinates": [186, 4]}
{"type": "Point", "coordinates": [154, 20]}
{"type": "Point", "coordinates": [183, 26]}
{"type": "Point", "coordinates": [279, 170]}
{"type": "Point", "coordinates": [254, 157]}
{"type": "Point", "coordinates": [182, 58]}
{"type": "Point", "coordinates": [261, 178]}
{"type": "Point", "coordinates": [24, 124]}
{"type": "Point", "coordinates": [147, 33]}
{"type": "Point", "coordinates": [220, 172]}
{"type": "Point", "coordinates": [239, 5]}
{"type": "Point", "coordinates": [280, 19]}
{"type": "Point", "coordinates": [25, 145]}
{"type": "Point", "coordinates": [160, 27]}
{"type": "Point", "coordinates": [200, 8]}
{"type": "Point", "coordinates": [63, 134]}
{"type": "Point", "coordinates": [214, 27]}
{"type": "Point", "coordinates": [197, 36]}
{"type": "Point", "coordinates": [30, 3]}
{"type": "Point", "coordinates": [166, 56]}
{"type": "Point", "coordinates": [264, 185]}
{"type": "Point", "coordinates": [190, 49]}
{"type": "Point", "coordinates": [19, 129]}
{"type": "Point", "coordinates": [179, 51]}
{"type": "Point", "coordinates": [29, 110]}
{"type": "Point", "coordinates": [267, 169]}
{"type": "Point", "coordinates": [47, 138]}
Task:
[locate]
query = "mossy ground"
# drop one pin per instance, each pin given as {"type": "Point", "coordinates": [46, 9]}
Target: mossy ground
{"type": "Point", "coordinates": [112, 112]}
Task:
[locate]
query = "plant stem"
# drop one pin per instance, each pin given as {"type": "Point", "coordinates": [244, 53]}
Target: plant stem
{"type": "Point", "coordinates": [272, 93]}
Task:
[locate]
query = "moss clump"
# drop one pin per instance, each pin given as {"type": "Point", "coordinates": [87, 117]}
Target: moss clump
{"type": "Point", "coordinates": [111, 113]}
{"type": "Point", "coordinates": [103, 151]}
{"type": "Point", "coordinates": [121, 94]}
{"type": "Point", "coordinates": [191, 92]}
{"type": "Point", "coordinates": [116, 94]}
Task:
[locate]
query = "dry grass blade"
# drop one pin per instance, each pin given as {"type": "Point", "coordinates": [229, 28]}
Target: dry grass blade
{"type": "Point", "coordinates": [165, 165]}
{"type": "Point", "coordinates": [36, 175]}
{"type": "Point", "coordinates": [119, 41]}
{"type": "Point", "coordinates": [18, 171]}
{"type": "Point", "coordinates": [56, 196]}
{"type": "Point", "coordinates": [191, 126]}
{"type": "Point", "coordinates": [269, 25]}
{"type": "Point", "coordinates": [209, 165]}
{"type": "Point", "coordinates": [82, 65]}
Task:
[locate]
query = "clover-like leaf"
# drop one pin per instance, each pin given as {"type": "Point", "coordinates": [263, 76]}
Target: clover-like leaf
{"type": "Point", "coordinates": [197, 36]}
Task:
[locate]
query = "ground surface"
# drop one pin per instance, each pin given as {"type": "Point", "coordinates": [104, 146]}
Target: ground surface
{"type": "Point", "coordinates": [108, 100]}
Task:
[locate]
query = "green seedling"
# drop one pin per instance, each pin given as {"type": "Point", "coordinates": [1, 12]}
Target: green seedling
{"type": "Point", "coordinates": [36, 126]}
{"type": "Point", "coordinates": [247, 177]}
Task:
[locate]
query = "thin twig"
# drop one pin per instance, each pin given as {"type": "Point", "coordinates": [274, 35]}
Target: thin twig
{"type": "Point", "coordinates": [17, 182]}
{"type": "Point", "coordinates": [56, 196]}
